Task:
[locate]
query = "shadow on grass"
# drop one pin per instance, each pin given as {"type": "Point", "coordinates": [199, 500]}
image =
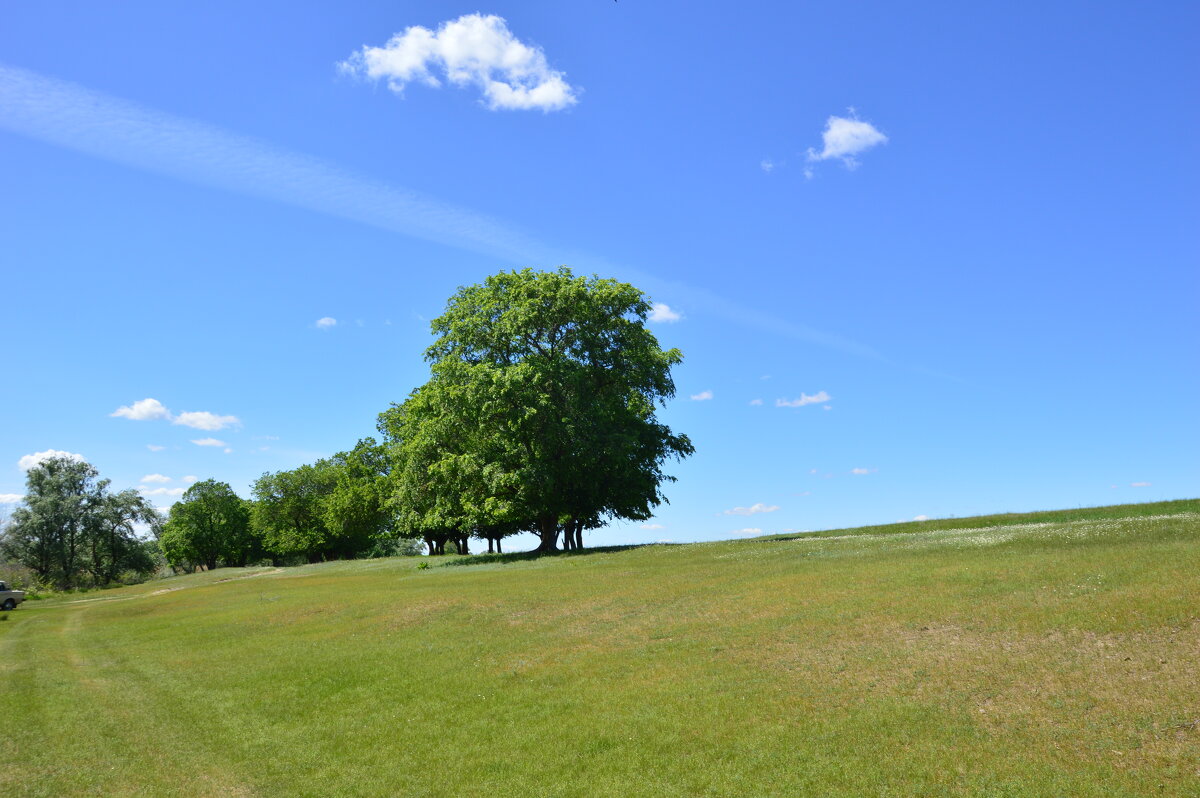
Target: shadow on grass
{"type": "Point", "coordinates": [526, 556]}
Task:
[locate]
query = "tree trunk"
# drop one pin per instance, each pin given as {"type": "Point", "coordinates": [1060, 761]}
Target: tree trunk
{"type": "Point", "coordinates": [498, 549]}
{"type": "Point", "coordinates": [549, 532]}
{"type": "Point", "coordinates": [491, 545]}
{"type": "Point", "coordinates": [578, 534]}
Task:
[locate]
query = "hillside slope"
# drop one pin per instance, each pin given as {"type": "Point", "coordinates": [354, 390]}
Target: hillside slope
{"type": "Point", "coordinates": [1049, 658]}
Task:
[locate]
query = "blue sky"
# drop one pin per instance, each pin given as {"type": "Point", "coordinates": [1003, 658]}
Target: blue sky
{"type": "Point", "coordinates": [951, 249]}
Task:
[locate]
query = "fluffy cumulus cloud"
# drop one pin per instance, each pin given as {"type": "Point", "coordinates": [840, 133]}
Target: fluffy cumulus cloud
{"type": "Point", "coordinates": [142, 410]}
{"type": "Point", "coordinates": [804, 399]}
{"type": "Point", "coordinates": [10, 498]}
{"type": "Point", "coordinates": [154, 410]}
{"type": "Point", "coordinates": [920, 518]}
{"type": "Point", "coordinates": [326, 322]}
{"type": "Point", "coordinates": [662, 312]}
{"type": "Point", "coordinates": [703, 396]}
{"type": "Point", "coordinates": [30, 460]}
{"type": "Point", "coordinates": [189, 479]}
{"type": "Point", "coordinates": [209, 442]}
{"type": "Point", "coordinates": [473, 50]}
{"type": "Point", "coordinates": [845, 138]}
{"type": "Point", "coordinates": [158, 478]}
{"type": "Point", "coordinates": [753, 509]}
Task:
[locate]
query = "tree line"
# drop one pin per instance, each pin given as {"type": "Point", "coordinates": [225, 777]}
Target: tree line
{"type": "Point", "coordinates": [539, 416]}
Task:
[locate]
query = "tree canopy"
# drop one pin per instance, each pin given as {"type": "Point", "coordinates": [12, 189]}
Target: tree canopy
{"type": "Point", "coordinates": [210, 523]}
{"type": "Point", "coordinates": [539, 413]}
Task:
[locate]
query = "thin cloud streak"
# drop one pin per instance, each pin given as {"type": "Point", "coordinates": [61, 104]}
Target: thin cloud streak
{"type": "Point", "coordinates": [77, 118]}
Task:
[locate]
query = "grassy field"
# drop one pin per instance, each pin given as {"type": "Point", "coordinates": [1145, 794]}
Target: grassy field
{"type": "Point", "coordinates": [1008, 656]}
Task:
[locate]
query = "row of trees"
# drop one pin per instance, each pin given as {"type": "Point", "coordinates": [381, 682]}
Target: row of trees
{"type": "Point", "coordinates": [539, 416]}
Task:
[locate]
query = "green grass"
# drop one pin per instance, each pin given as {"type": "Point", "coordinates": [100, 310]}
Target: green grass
{"type": "Point", "coordinates": [1045, 656]}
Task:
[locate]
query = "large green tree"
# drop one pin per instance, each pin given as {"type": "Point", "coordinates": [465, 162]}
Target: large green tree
{"type": "Point", "coordinates": [540, 410]}
{"type": "Point", "coordinates": [210, 524]}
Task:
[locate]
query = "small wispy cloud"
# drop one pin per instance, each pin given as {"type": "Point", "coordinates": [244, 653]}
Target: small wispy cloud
{"type": "Point", "coordinates": [326, 323]}
{"type": "Point", "coordinates": [209, 442]}
{"type": "Point", "coordinates": [11, 498]}
{"type": "Point", "coordinates": [767, 165]}
{"type": "Point", "coordinates": [473, 50]}
{"type": "Point", "coordinates": [748, 531]}
{"type": "Point", "coordinates": [753, 509]}
{"type": "Point", "coordinates": [662, 313]}
{"type": "Point", "coordinates": [1139, 484]}
{"type": "Point", "coordinates": [756, 401]}
{"type": "Point", "coordinates": [159, 478]}
{"type": "Point", "coordinates": [703, 396]}
{"type": "Point", "coordinates": [190, 478]}
{"type": "Point", "coordinates": [804, 399]}
{"type": "Point", "coordinates": [846, 137]}
{"type": "Point", "coordinates": [31, 460]}
{"type": "Point", "coordinates": [209, 422]}
{"type": "Point", "coordinates": [653, 526]}
{"type": "Point", "coordinates": [161, 491]}
{"type": "Point", "coordinates": [920, 518]}
{"type": "Point", "coordinates": [858, 472]}
{"type": "Point", "coordinates": [154, 447]}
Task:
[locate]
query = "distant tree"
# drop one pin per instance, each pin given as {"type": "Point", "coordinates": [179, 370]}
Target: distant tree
{"type": "Point", "coordinates": [540, 408]}
{"type": "Point", "coordinates": [354, 507]}
{"type": "Point", "coordinates": [72, 531]}
{"type": "Point", "coordinates": [289, 511]}
{"type": "Point", "coordinates": [113, 545]}
{"type": "Point", "coordinates": [209, 525]}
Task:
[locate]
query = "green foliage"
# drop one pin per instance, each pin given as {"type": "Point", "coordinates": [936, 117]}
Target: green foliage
{"type": "Point", "coordinates": [332, 509]}
{"type": "Point", "coordinates": [209, 525]}
{"type": "Point", "coordinates": [539, 414]}
{"type": "Point", "coordinates": [71, 531]}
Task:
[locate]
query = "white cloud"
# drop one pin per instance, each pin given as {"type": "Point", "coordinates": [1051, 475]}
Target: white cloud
{"type": "Point", "coordinates": [653, 526]}
{"type": "Point", "coordinates": [662, 312]}
{"type": "Point", "coordinates": [325, 322]}
{"type": "Point", "coordinates": [11, 498]}
{"type": "Point", "coordinates": [209, 422]}
{"type": "Point", "coordinates": [846, 137]}
{"type": "Point", "coordinates": [209, 442]}
{"type": "Point", "coordinates": [753, 509]}
{"type": "Point", "coordinates": [750, 530]}
{"type": "Point", "coordinates": [471, 50]}
{"type": "Point", "coordinates": [756, 401]}
{"type": "Point", "coordinates": [767, 165]}
{"type": "Point", "coordinates": [703, 396]}
{"type": "Point", "coordinates": [30, 460]}
{"type": "Point", "coordinates": [228, 450]}
{"type": "Point", "coordinates": [1139, 484]}
{"type": "Point", "coordinates": [920, 518]}
{"type": "Point", "coordinates": [142, 410]}
{"type": "Point", "coordinates": [156, 478]}
{"type": "Point", "coordinates": [805, 399]}
{"type": "Point", "coordinates": [861, 471]}
{"type": "Point", "coordinates": [161, 491]}
{"type": "Point", "coordinates": [189, 479]}
{"type": "Point", "coordinates": [155, 447]}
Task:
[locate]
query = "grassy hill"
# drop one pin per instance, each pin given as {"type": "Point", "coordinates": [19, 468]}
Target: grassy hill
{"type": "Point", "coordinates": [1053, 654]}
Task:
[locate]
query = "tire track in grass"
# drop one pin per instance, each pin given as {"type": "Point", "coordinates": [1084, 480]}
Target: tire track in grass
{"type": "Point", "coordinates": [132, 739]}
